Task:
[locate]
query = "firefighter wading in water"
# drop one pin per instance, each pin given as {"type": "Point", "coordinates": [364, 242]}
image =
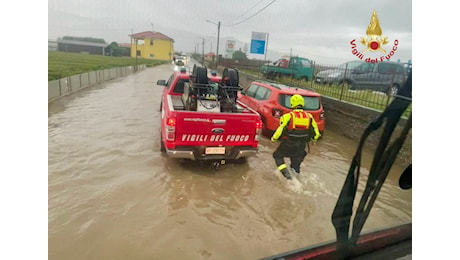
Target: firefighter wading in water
{"type": "Point", "coordinates": [296, 129]}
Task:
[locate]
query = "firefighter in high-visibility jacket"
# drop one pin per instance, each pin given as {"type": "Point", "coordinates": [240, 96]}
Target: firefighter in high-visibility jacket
{"type": "Point", "coordinates": [296, 129]}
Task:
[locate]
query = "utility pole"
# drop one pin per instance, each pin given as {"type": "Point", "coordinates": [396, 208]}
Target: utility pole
{"type": "Point", "coordinates": [202, 57]}
{"type": "Point", "coordinates": [218, 36]}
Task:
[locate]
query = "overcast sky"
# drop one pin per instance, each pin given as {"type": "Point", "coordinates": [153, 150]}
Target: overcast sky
{"type": "Point", "coordinates": [317, 29]}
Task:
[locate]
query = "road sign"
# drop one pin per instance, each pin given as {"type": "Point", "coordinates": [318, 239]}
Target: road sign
{"type": "Point", "coordinates": [258, 41]}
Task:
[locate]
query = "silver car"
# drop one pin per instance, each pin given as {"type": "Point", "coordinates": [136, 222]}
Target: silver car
{"type": "Point", "coordinates": [338, 74]}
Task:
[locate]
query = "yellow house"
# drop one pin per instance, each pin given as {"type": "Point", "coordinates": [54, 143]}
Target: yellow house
{"type": "Point", "coordinates": [152, 45]}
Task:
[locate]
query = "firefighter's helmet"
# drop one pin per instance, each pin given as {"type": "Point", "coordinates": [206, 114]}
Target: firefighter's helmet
{"type": "Point", "coordinates": [297, 100]}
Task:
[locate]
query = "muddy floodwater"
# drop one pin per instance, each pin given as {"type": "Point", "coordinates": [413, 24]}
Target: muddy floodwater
{"type": "Point", "coordinates": [113, 195]}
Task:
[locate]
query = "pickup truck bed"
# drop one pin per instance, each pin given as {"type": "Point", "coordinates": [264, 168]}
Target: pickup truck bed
{"type": "Point", "coordinates": [178, 104]}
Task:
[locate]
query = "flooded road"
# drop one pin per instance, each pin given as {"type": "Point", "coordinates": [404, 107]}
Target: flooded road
{"type": "Point", "coordinates": [113, 195]}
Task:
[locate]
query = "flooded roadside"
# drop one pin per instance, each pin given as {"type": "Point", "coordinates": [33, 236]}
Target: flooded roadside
{"type": "Point", "coordinates": [113, 195]}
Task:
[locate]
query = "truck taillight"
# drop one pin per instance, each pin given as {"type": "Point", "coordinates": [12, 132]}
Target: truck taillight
{"type": "Point", "coordinates": [171, 121]}
{"type": "Point", "coordinates": [171, 129]}
{"type": "Point", "coordinates": [277, 113]}
{"type": "Point", "coordinates": [259, 126]}
{"type": "Point", "coordinates": [321, 116]}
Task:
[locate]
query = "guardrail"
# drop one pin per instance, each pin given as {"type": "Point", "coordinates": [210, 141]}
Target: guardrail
{"type": "Point", "coordinates": [61, 87]}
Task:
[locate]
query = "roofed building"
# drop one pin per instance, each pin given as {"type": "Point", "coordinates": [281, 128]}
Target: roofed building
{"type": "Point", "coordinates": [81, 46]}
{"type": "Point", "coordinates": [210, 56]}
{"type": "Point", "coordinates": [152, 45]}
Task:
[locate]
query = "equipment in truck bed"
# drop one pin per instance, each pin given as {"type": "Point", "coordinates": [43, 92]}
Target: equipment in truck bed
{"type": "Point", "coordinates": [200, 94]}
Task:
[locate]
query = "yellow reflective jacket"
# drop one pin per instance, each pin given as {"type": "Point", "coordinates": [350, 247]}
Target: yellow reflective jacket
{"type": "Point", "coordinates": [300, 120]}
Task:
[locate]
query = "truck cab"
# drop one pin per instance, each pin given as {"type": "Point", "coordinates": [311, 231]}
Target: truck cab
{"type": "Point", "coordinates": [296, 67]}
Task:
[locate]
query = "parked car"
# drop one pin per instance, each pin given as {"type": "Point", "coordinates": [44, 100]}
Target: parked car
{"type": "Point", "coordinates": [337, 75]}
{"type": "Point", "coordinates": [384, 76]}
{"type": "Point", "coordinates": [272, 100]}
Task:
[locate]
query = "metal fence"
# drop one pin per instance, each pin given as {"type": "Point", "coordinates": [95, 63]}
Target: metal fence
{"type": "Point", "coordinates": [331, 81]}
{"type": "Point", "coordinates": [379, 89]}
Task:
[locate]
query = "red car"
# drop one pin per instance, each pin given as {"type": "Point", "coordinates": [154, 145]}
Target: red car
{"type": "Point", "coordinates": [272, 100]}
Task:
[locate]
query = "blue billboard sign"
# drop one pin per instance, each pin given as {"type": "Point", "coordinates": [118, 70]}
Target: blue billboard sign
{"type": "Point", "coordinates": [257, 47]}
{"type": "Point", "coordinates": [258, 41]}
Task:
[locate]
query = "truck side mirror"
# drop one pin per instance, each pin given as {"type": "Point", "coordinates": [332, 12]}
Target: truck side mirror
{"type": "Point", "coordinates": [161, 82]}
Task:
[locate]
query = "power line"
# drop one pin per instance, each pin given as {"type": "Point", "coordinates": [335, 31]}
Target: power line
{"type": "Point", "coordinates": [263, 8]}
{"type": "Point", "coordinates": [247, 11]}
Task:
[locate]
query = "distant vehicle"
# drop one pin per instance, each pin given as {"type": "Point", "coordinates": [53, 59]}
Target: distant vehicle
{"type": "Point", "coordinates": [202, 119]}
{"type": "Point", "coordinates": [271, 101]}
{"type": "Point", "coordinates": [338, 74]}
{"type": "Point", "coordinates": [384, 76]}
{"type": "Point", "coordinates": [180, 61]}
{"type": "Point", "coordinates": [296, 67]}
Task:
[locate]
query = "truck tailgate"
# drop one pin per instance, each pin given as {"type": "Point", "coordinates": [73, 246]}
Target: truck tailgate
{"type": "Point", "coordinates": [216, 129]}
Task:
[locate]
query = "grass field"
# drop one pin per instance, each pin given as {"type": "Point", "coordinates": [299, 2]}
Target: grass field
{"type": "Point", "coordinates": [65, 64]}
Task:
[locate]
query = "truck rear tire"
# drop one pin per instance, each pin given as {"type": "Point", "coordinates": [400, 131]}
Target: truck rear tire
{"type": "Point", "coordinates": [162, 146]}
{"type": "Point", "coordinates": [242, 160]}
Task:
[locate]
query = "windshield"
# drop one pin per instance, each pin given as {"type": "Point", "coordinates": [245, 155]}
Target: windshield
{"type": "Point", "coordinates": [305, 63]}
{"type": "Point", "coordinates": [311, 103]}
{"type": "Point", "coordinates": [350, 65]}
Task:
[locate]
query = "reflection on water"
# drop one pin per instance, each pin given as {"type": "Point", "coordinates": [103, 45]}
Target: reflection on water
{"type": "Point", "coordinates": [113, 195]}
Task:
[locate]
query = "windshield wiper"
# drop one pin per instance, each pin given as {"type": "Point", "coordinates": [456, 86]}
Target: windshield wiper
{"type": "Point", "coordinates": [384, 157]}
